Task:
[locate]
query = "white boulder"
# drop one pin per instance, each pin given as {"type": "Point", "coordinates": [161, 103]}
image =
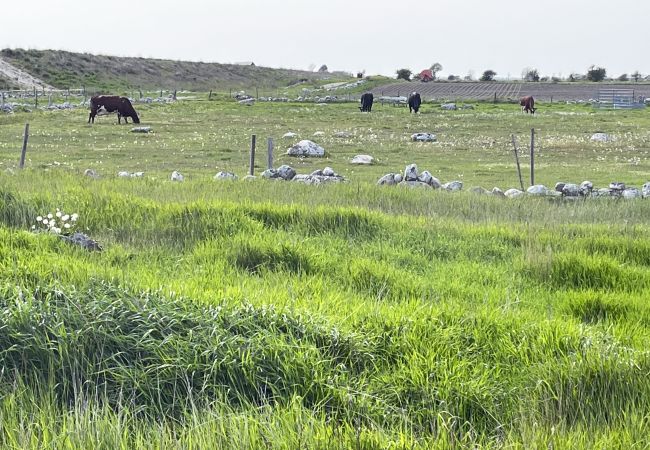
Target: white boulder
{"type": "Point", "coordinates": [601, 137]}
{"type": "Point", "coordinates": [177, 176]}
{"type": "Point", "coordinates": [363, 160]}
{"type": "Point", "coordinates": [306, 148]}
{"type": "Point", "coordinates": [225, 176]}
{"type": "Point", "coordinates": [513, 193]}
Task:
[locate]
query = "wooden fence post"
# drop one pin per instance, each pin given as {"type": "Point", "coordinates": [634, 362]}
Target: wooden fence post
{"type": "Point", "coordinates": [251, 171]}
{"type": "Point", "coordinates": [269, 161]}
{"type": "Point", "coordinates": [210, 95]}
{"type": "Point", "coordinates": [3, 98]}
{"type": "Point", "coordinates": [35, 98]}
{"type": "Point", "coordinates": [24, 151]}
{"type": "Point", "coordinates": [532, 156]}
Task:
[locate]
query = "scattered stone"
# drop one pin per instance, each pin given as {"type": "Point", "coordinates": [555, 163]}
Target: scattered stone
{"type": "Point", "coordinates": [617, 186]}
{"type": "Point", "coordinates": [123, 174]}
{"type": "Point", "coordinates": [449, 106]}
{"type": "Point", "coordinates": [177, 176]}
{"type": "Point", "coordinates": [83, 241]}
{"type": "Point", "coordinates": [423, 137]}
{"type": "Point", "coordinates": [631, 193]}
{"type": "Point", "coordinates": [247, 102]}
{"type": "Point", "coordinates": [586, 187]}
{"type": "Point", "coordinates": [141, 130]}
{"type": "Point", "coordinates": [453, 186]}
{"type": "Point", "coordinates": [389, 179]}
{"type": "Point", "coordinates": [225, 176]}
{"type": "Point", "coordinates": [602, 192]}
{"type": "Point", "coordinates": [289, 134]}
{"type": "Point", "coordinates": [560, 185]}
{"type": "Point", "coordinates": [478, 190]}
{"type": "Point", "coordinates": [91, 173]}
{"type": "Point", "coordinates": [601, 137]}
{"type": "Point", "coordinates": [306, 148]}
{"type": "Point", "coordinates": [137, 174]}
{"type": "Point", "coordinates": [363, 160]}
{"type": "Point", "coordinates": [645, 190]}
{"type": "Point", "coordinates": [513, 193]}
{"type": "Point", "coordinates": [467, 107]}
{"type": "Point", "coordinates": [411, 173]}
{"type": "Point", "coordinates": [497, 192]}
{"type": "Point", "coordinates": [249, 178]}
{"type": "Point", "coordinates": [286, 172]}
{"type": "Point", "coordinates": [570, 190]}
{"type": "Point", "coordinates": [343, 134]}
{"type": "Point", "coordinates": [319, 133]}
{"type": "Point", "coordinates": [414, 184]}
{"type": "Point", "coordinates": [538, 189]}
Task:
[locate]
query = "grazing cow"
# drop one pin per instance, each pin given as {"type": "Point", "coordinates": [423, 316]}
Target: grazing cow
{"type": "Point", "coordinates": [527, 104]}
{"type": "Point", "coordinates": [366, 102]}
{"type": "Point", "coordinates": [414, 102]}
{"type": "Point", "coordinates": [112, 103]}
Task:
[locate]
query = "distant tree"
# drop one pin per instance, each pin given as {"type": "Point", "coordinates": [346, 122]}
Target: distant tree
{"type": "Point", "coordinates": [435, 68]}
{"type": "Point", "coordinates": [323, 68]}
{"type": "Point", "coordinates": [453, 78]}
{"type": "Point", "coordinates": [596, 73]}
{"type": "Point", "coordinates": [488, 75]}
{"type": "Point", "coordinates": [404, 74]}
{"type": "Point", "coordinates": [543, 79]}
{"type": "Point", "coordinates": [636, 76]}
{"type": "Point", "coordinates": [530, 74]}
{"type": "Point", "coordinates": [623, 77]}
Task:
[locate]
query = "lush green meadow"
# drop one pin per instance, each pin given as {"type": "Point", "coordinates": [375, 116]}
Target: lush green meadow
{"type": "Point", "coordinates": [275, 315]}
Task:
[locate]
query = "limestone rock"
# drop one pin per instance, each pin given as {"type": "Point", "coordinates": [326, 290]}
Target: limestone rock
{"type": "Point", "coordinates": [289, 135]}
{"type": "Point", "coordinates": [449, 106]}
{"type": "Point", "coordinates": [389, 179]}
{"type": "Point", "coordinates": [513, 193]}
{"type": "Point", "coordinates": [645, 190]}
{"type": "Point", "coordinates": [91, 173]}
{"type": "Point", "coordinates": [306, 148]}
{"type": "Point", "coordinates": [363, 160]}
{"type": "Point", "coordinates": [141, 130]}
{"type": "Point", "coordinates": [411, 173]}
{"type": "Point", "coordinates": [177, 176]}
{"type": "Point", "coordinates": [453, 186]}
{"type": "Point", "coordinates": [631, 193]}
{"type": "Point", "coordinates": [225, 176]}
{"type": "Point", "coordinates": [601, 137]}
{"type": "Point", "coordinates": [423, 137]}
{"type": "Point", "coordinates": [538, 189]}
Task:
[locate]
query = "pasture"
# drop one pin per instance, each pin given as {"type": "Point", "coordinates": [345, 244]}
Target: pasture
{"type": "Point", "coordinates": [276, 315]}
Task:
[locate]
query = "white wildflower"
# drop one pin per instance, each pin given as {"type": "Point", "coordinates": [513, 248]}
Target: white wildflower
{"type": "Point", "coordinates": [39, 218]}
{"type": "Point", "coordinates": [58, 213]}
{"type": "Point", "coordinates": [50, 216]}
{"type": "Point", "coordinates": [45, 221]}
{"type": "Point", "coordinates": [74, 217]}
{"type": "Point", "coordinates": [65, 218]}
{"type": "Point", "coordinates": [66, 226]}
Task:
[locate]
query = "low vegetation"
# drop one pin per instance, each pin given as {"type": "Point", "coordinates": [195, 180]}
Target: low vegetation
{"type": "Point", "coordinates": [276, 315]}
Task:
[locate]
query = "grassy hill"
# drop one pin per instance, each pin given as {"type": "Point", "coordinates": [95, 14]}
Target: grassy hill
{"type": "Point", "coordinates": [64, 69]}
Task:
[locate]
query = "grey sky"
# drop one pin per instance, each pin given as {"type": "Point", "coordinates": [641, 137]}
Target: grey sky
{"type": "Point", "coordinates": [554, 36]}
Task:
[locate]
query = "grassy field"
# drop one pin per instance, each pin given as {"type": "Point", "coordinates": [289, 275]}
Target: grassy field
{"type": "Point", "coordinates": [276, 315]}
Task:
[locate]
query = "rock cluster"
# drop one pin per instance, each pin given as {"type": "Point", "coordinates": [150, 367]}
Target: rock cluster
{"type": "Point", "coordinates": [412, 178]}
{"type": "Point", "coordinates": [288, 173]}
{"type": "Point", "coordinates": [83, 241]}
{"type": "Point", "coordinates": [225, 176]}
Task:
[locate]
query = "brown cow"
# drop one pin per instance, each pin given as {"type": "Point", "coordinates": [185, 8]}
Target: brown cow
{"type": "Point", "coordinates": [527, 104]}
{"type": "Point", "coordinates": [112, 103]}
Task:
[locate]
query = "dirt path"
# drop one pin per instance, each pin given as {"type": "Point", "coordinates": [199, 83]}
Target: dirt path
{"type": "Point", "coordinates": [21, 78]}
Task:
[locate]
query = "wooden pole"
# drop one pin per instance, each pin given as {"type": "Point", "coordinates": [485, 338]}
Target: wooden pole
{"type": "Point", "coordinates": [174, 94]}
{"type": "Point", "coordinates": [210, 95]}
{"type": "Point", "coordinates": [532, 156]}
{"type": "Point", "coordinates": [257, 94]}
{"type": "Point", "coordinates": [251, 170]}
{"type": "Point", "coordinates": [24, 151]}
{"type": "Point", "coordinates": [514, 145]}
{"type": "Point", "coordinates": [35, 98]}
{"type": "Point", "coordinates": [269, 161]}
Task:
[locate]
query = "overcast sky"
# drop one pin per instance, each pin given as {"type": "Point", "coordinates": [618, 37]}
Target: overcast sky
{"type": "Point", "coordinates": [557, 37]}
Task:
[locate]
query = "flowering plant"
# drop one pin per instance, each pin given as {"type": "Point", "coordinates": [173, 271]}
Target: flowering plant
{"type": "Point", "coordinates": [57, 223]}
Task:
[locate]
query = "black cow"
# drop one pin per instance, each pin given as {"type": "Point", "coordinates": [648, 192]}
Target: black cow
{"type": "Point", "coordinates": [112, 103]}
{"type": "Point", "coordinates": [527, 104]}
{"type": "Point", "coordinates": [414, 102]}
{"type": "Point", "coordinates": [366, 102]}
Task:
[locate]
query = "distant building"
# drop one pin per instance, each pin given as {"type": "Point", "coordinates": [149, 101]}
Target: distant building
{"type": "Point", "coordinates": [426, 75]}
